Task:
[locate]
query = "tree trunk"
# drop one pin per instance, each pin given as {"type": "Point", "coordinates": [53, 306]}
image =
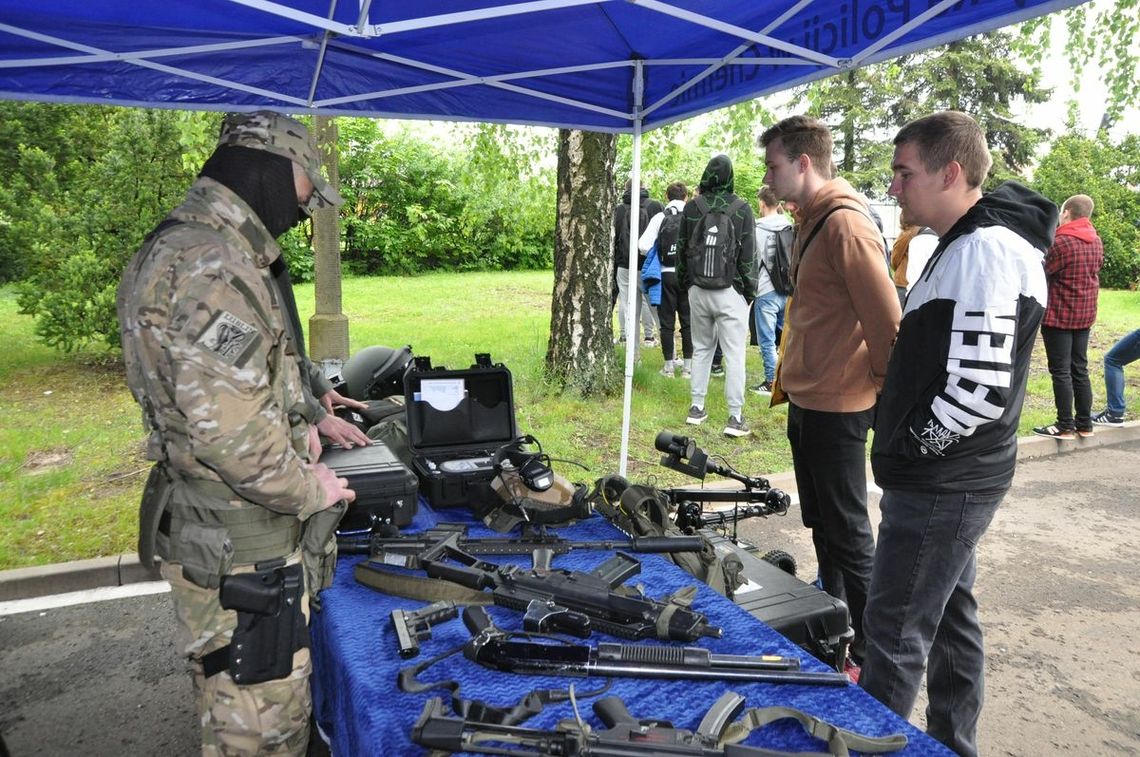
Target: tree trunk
{"type": "Point", "coordinates": [849, 129]}
{"type": "Point", "coordinates": [580, 355]}
{"type": "Point", "coordinates": [328, 328]}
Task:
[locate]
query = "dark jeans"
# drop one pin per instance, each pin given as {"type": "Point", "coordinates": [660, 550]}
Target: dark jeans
{"type": "Point", "coordinates": [674, 306]}
{"type": "Point", "coordinates": [829, 451]}
{"type": "Point", "coordinates": [921, 609]}
{"type": "Point", "coordinates": [1067, 352]}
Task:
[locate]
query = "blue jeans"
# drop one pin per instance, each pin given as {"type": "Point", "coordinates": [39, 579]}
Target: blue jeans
{"type": "Point", "coordinates": [768, 312]}
{"type": "Point", "coordinates": [921, 609]}
{"type": "Point", "coordinates": [1122, 353]}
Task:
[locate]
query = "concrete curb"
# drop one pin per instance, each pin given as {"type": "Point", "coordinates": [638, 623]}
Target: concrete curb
{"type": "Point", "coordinates": [120, 570]}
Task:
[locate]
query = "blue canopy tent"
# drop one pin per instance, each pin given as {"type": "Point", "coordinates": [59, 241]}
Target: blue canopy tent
{"type": "Point", "coordinates": [603, 65]}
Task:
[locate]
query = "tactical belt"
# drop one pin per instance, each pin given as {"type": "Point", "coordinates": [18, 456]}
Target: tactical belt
{"type": "Point", "coordinates": [256, 533]}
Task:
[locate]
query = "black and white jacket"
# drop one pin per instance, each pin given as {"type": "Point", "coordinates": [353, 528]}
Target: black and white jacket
{"type": "Point", "coordinates": [947, 418]}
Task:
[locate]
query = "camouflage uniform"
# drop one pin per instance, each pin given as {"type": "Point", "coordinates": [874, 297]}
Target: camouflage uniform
{"type": "Point", "coordinates": [211, 360]}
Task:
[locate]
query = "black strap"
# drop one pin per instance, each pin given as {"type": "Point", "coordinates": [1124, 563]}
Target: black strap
{"type": "Point", "coordinates": [217, 661]}
{"type": "Point", "coordinates": [819, 226]}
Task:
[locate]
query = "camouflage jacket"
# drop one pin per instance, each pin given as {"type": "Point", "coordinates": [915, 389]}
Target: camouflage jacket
{"type": "Point", "coordinates": [209, 358]}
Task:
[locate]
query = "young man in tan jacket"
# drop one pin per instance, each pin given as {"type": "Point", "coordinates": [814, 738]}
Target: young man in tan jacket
{"type": "Point", "coordinates": [840, 325]}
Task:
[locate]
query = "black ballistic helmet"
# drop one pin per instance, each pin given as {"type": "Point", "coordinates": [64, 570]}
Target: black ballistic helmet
{"type": "Point", "coordinates": [377, 372]}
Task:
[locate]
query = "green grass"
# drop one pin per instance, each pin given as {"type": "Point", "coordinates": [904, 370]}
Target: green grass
{"type": "Point", "coordinates": [71, 444]}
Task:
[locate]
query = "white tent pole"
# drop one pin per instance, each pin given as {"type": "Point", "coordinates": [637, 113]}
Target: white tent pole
{"type": "Point", "coordinates": [633, 291]}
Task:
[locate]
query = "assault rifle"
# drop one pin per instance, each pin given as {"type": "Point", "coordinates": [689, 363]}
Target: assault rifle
{"type": "Point", "coordinates": [573, 600]}
{"type": "Point", "coordinates": [542, 544]}
{"type": "Point", "coordinates": [757, 499]}
{"type": "Point", "coordinates": [626, 736]}
{"type": "Point", "coordinates": [494, 648]}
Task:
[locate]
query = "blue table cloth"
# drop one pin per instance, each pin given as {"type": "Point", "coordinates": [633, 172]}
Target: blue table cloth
{"type": "Point", "coordinates": [362, 711]}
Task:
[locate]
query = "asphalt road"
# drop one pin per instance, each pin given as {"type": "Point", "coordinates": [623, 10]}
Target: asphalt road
{"type": "Point", "coordinates": [96, 679]}
{"type": "Point", "coordinates": [1059, 588]}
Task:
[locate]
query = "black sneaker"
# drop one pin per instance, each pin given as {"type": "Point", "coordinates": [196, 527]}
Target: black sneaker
{"type": "Point", "coordinates": [1107, 419]}
{"type": "Point", "coordinates": [697, 416]}
{"type": "Point", "coordinates": [717, 371]}
{"type": "Point", "coordinates": [736, 427]}
{"type": "Point", "coordinates": [764, 389]}
{"type": "Point", "coordinates": [1054, 432]}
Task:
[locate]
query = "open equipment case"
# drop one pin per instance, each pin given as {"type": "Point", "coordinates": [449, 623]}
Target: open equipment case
{"type": "Point", "coordinates": [457, 420]}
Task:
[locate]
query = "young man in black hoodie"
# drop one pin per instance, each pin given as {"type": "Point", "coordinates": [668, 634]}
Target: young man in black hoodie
{"type": "Point", "coordinates": [718, 309]}
{"type": "Point", "coordinates": [646, 313]}
{"type": "Point", "coordinates": [946, 429]}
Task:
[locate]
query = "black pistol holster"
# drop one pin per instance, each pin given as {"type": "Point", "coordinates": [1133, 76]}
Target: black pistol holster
{"type": "Point", "coordinates": [270, 624]}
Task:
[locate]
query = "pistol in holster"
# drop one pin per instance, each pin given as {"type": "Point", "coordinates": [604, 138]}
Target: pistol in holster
{"type": "Point", "coordinates": [270, 623]}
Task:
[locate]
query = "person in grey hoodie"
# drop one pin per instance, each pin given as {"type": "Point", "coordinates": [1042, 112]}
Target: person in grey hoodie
{"type": "Point", "coordinates": [768, 309]}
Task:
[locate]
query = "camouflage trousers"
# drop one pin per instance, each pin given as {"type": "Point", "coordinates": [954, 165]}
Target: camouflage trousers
{"type": "Point", "coordinates": [270, 718]}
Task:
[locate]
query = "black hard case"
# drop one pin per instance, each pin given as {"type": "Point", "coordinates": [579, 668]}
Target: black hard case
{"type": "Point", "coordinates": [385, 487]}
{"type": "Point", "coordinates": [482, 422]}
{"type": "Point", "coordinates": [808, 616]}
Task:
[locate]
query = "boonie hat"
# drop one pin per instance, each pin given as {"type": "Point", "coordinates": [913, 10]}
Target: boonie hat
{"type": "Point", "coordinates": [285, 136]}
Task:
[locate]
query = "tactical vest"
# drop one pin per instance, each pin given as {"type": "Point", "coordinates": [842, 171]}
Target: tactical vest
{"type": "Point", "coordinates": [201, 524]}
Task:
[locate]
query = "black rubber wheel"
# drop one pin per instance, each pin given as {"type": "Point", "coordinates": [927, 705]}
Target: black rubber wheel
{"type": "Point", "coordinates": [781, 560]}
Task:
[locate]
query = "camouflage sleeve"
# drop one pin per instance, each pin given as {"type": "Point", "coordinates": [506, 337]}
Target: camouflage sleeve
{"type": "Point", "coordinates": [239, 393]}
{"type": "Point", "coordinates": [317, 385]}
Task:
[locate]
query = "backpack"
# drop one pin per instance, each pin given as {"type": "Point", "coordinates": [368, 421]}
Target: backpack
{"type": "Point", "coordinates": [781, 271]}
{"type": "Point", "coordinates": [667, 235]}
{"type": "Point", "coordinates": [710, 256]}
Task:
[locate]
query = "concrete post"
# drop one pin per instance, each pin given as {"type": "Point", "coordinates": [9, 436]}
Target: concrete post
{"type": "Point", "coordinates": [328, 328]}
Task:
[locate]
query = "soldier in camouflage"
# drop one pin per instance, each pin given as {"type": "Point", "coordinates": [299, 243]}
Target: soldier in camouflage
{"type": "Point", "coordinates": [215, 358]}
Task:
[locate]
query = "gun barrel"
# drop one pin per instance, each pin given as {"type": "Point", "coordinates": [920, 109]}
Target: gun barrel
{"type": "Point", "coordinates": [691, 657]}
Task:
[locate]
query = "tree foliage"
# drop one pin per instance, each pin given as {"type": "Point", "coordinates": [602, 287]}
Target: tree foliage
{"type": "Point", "coordinates": [412, 206]}
{"type": "Point", "coordinates": [1110, 174]}
{"type": "Point", "coordinates": [977, 75]}
{"type": "Point", "coordinates": [88, 184]}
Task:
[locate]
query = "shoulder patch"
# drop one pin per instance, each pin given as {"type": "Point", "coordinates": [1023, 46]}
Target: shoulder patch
{"type": "Point", "coordinates": [227, 336]}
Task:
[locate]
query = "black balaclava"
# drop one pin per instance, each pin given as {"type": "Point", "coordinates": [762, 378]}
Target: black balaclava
{"type": "Point", "coordinates": [261, 178]}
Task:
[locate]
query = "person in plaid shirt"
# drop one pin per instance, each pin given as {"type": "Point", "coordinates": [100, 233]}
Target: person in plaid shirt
{"type": "Point", "coordinates": [1072, 267]}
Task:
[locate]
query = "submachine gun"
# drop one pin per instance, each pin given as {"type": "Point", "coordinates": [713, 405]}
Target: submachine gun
{"type": "Point", "coordinates": [571, 601]}
{"type": "Point", "coordinates": [494, 648]}
{"type": "Point", "coordinates": [757, 500]}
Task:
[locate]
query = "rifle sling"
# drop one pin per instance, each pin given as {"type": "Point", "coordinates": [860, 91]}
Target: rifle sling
{"type": "Point", "coordinates": [416, 587]}
{"type": "Point", "coordinates": [839, 740]}
{"type": "Point", "coordinates": [478, 711]}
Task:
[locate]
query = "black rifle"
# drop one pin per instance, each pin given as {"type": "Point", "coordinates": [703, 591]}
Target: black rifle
{"type": "Point", "coordinates": [414, 626]}
{"type": "Point", "coordinates": [626, 736]}
{"type": "Point", "coordinates": [573, 600]}
{"type": "Point", "coordinates": [494, 648]}
{"type": "Point", "coordinates": [539, 542]}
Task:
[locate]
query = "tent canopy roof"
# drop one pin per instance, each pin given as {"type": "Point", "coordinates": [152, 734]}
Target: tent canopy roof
{"type": "Point", "coordinates": [590, 64]}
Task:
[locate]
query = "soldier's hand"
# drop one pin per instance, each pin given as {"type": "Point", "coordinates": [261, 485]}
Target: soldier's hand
{"type": "Point", "coordinates": [314, 444]}
{"type": "Point", "coordinates": [335, 488]}
{"type": "Point", "coordinates": [342, 433]}
{"type": "Point", "coordinates": [333, 397]}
